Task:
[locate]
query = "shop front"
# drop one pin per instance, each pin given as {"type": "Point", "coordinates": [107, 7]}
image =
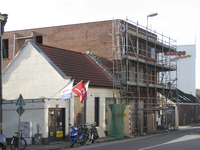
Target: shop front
{"type": "Point", "coordinates": [56, 122]}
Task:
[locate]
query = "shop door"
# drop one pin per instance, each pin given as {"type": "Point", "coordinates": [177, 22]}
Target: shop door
{"type": "Point", "coordinates": [56, 124]}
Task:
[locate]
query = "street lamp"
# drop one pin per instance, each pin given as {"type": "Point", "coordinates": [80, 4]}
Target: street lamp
{"type": "Point", "coordinates": [151, 15]}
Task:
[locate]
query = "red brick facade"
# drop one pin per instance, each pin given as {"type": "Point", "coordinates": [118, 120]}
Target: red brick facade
{"type": "Point", "coordinates": [84, 37]}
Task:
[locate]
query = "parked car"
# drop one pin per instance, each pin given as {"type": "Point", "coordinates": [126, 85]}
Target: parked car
{"type": "Point", "coordinates": [3, 143]}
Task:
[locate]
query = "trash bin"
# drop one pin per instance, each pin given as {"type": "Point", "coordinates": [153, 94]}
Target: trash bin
{"type": "Point", "coordinates": [37, 139]}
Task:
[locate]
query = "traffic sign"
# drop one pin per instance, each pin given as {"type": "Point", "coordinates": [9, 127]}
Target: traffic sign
{"type": "Point", "coordinates": [20, 101]}
{"type": "Point", "coordinates": [199, 117]}
{"type": "Point", "coordinates": [20, 110]}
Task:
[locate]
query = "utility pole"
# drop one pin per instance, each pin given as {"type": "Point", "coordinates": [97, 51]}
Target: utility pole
{"type": "Point", "coordinates": [3, 20]}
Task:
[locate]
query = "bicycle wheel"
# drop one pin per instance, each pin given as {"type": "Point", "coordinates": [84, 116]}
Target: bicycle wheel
{"type": "Point", "coordinates": [23, 143]}
{"type": "Point", "coordinates": [88, 138]}
{"type": "Point", "coordinates": [14, 145]}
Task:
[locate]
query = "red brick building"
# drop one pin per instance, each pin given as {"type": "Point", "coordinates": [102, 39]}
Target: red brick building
{"type": "Point", "coordinates": [133, 53]}
{"type": "Point", "coordinates": [84, 37]}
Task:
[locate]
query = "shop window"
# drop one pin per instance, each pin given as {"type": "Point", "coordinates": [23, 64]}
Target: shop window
{"type": "Point", "coordinates": [79, 111]}
{"type": "Point", "coordinates": [5, 48]}
{"type": "Point", "coordinates": [39, 39]}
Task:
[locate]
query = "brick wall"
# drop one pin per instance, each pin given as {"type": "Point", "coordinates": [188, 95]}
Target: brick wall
{"type": "Point", "coordinates": [84, 37]}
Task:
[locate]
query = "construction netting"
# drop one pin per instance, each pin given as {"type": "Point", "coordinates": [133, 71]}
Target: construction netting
{"type": "Point", "coordinates": [116, 121]}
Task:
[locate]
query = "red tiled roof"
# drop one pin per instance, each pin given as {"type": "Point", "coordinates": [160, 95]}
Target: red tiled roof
{"type": "Point", "coordinates": [78, 66]}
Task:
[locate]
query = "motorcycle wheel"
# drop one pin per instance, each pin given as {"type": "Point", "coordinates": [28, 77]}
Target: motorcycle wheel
{"type": "Point", "coordinates": [71, 143]}
{"type": "Point", "coordinates": [88, 139]}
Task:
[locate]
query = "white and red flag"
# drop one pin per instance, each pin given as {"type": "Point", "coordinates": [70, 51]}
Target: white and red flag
{"type": "Point", "coordinates": [66, 92]}
{"type": "Point", "coordinates": [80, 91]}
{"type": "Point", "coordinates": [86, 87]}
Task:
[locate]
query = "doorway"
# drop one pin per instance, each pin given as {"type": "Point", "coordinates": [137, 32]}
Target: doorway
{"type": "Point", "coordinates": [56, 124]}
{"type": "Point", "coordinates": [96, 111]}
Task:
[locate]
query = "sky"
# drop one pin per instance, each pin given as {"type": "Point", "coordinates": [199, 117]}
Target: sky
{"type": "Point", "coordinates": [177, 19]}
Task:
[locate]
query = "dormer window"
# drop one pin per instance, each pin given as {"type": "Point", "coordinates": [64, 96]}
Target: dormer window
{"type": "Point", "coordinates": [39, 39]}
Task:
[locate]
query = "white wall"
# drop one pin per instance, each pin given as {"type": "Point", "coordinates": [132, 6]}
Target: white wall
{"type": "Point", "coordinates": [32, 76]}
{"type": "Point", "coordinates": [36, 113]}
{"type": "Point", "coordinates": [102, 93]}
{"type": "Point", "coordinates": [186, 72]}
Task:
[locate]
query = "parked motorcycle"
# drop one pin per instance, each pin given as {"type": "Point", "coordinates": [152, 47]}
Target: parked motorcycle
{"type": "Point", "coordinates": [80, 135]}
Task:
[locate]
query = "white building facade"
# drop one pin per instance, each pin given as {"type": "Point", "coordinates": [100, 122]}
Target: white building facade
{"type": "Point", "coordinates": [186, 68]}
{"type": "Point", "coordinates": [37, 79]}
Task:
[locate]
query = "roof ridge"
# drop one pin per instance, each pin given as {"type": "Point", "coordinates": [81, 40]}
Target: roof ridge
{"type": "Point", "coordinates": [58, 48]}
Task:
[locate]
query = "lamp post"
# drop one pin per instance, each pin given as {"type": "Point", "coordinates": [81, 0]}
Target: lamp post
{"type": "Point", "coordinates": [150, 15]}
{"type": "Point", "coordinates": [3, 20]}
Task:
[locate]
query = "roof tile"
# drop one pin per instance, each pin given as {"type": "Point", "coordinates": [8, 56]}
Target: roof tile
{"type": "Point", "coordinates": [78, 66]}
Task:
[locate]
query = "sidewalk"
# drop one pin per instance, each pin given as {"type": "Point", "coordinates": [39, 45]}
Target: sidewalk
{"type": "Point", "coordinates": [64, 145]}
{"type": "Point", "coordinates": [61, 144]}
{"type": "Point", "coordinates": [190, 126]}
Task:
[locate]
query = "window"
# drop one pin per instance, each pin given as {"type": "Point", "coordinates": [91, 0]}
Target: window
{"type": "Point", "coordinates": [153, 53]}
{"type": "Point", "coordinates": [96, 110]}
{"type": "Point", "coordinates": [141, 75]}
{"type": "Point", "coordinates": [141, 49]}
{"type": "Point", "coordinates": [5, 48]}
{"type": "Point", "coordinates": [39, 39]}
{"type": "Point", "coordinates": [132, 73]}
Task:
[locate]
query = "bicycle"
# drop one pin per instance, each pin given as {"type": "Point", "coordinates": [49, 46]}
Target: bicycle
{"type": "Point", "coordinates": [14, 142]}
{"type": "Point", "coordinates": [93, 131]}
{"type": "Point", "coordinates": [88, 135]}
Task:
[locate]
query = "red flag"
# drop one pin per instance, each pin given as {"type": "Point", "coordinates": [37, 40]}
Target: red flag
{"type": "Point", "coordinates": [80, 91]}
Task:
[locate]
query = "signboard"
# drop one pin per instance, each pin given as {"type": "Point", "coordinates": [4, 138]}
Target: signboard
{"type": "Point", "coordinates": [20, 101]}
{"type": "Point", "coordinates": [179, 53]}
{"type": "Point", "coordinates": [59, 134]}
{"type": "Point", "coordinates": [20, 110]}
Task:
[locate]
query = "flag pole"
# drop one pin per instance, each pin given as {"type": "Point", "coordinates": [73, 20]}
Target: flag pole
{"type": "Point", "coordinates": [69, 116]}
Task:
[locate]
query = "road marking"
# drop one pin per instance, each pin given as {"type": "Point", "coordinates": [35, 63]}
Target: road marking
{"type": "Point", "coordinates": [181, 139]}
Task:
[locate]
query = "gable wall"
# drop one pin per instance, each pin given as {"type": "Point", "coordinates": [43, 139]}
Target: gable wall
{"type": "Point", "coordinates": [32, 76]}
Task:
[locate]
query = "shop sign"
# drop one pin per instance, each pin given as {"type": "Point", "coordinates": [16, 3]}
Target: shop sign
{"type": "Point", "coordinates": [59, 134]}
{"type": "Point", "coordinates": [180, 57]}
{"type": "Point", "coordinates": [179, 53]}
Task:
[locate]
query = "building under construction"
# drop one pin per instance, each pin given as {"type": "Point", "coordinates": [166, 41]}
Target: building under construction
{"type": "Point", "coordinates": [132, 54]}
{"type": "Point", "coordinates": [143, 75]}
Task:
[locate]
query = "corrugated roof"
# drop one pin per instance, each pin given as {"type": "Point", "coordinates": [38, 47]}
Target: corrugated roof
{"type": "Point", "coordinates": [182, 97]}
{"type": "Point", "coordinates": [78, 66]}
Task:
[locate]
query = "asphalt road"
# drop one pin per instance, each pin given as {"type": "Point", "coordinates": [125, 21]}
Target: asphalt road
{"type": "Point", "coordinates": [184, 139]}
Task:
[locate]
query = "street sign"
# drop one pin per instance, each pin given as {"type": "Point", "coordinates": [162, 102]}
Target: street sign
{"type": "Point", "coordinates": [20, 110]}
{"type": "Point", "coordinates": [199, 117]}
{"type": "Point", "coordinates": [20, 101]}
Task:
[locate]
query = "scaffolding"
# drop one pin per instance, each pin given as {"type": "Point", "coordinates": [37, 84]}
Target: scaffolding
{"type": "Point", "coordinates": [145, 75]}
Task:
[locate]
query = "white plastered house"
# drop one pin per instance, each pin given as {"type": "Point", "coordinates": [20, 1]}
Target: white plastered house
{"type": "Point", "coordinates": [38, 73]}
